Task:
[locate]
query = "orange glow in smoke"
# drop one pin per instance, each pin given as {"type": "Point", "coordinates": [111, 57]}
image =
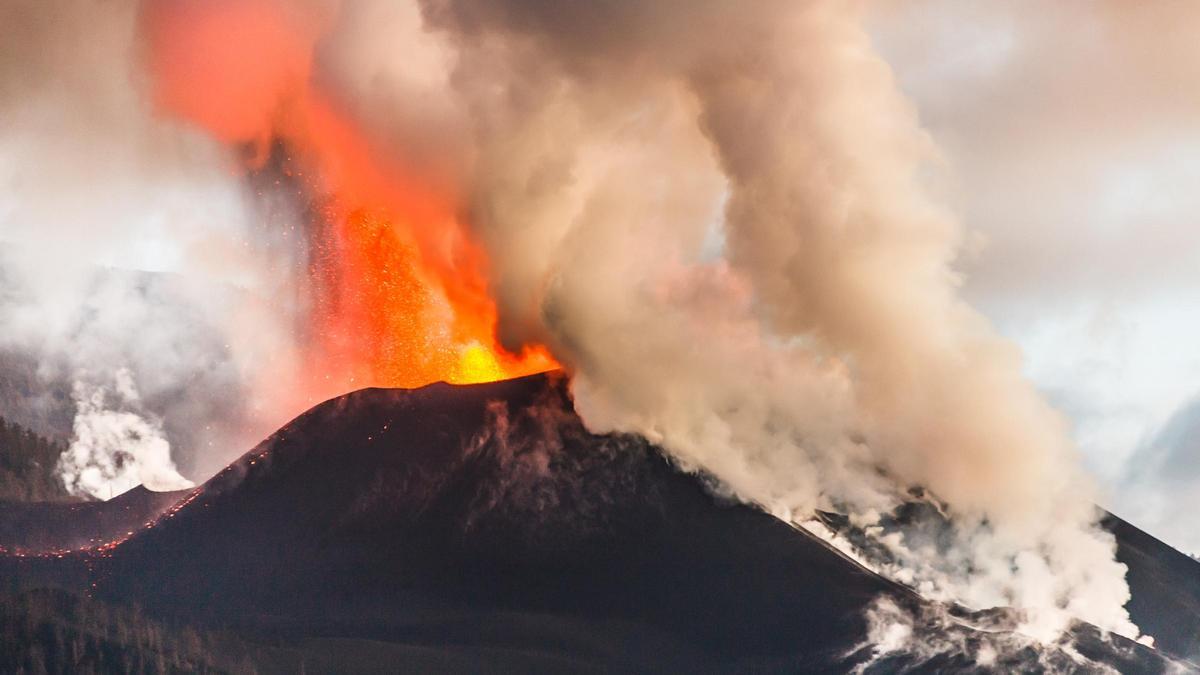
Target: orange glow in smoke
{"type": "Point", "coordinates": [398, 288]}
{"type": "Point", "coordinates": [402, 292]}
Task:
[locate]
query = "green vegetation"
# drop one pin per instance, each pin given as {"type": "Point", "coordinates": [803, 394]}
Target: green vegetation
{"type": "Point", "coordinates": [27, 466]}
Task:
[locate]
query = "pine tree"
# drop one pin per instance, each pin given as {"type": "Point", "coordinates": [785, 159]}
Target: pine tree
{"type": "Point", "coordinates": [28, 466]}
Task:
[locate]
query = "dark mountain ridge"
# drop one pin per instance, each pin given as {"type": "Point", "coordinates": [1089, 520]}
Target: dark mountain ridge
{"type": "Point", "coordinates": [52, 527]}
{"type": "Point", "coordinates": [484, 528]}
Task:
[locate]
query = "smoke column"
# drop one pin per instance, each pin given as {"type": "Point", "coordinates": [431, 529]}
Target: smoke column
{"type": "Point", "coordinates": [821, 358]}
{"type": "Point", "coordinates": [721, 218]}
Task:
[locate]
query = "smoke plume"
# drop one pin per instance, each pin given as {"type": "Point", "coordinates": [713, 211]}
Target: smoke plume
{"type": "Point", "coordinates": [822, 358]}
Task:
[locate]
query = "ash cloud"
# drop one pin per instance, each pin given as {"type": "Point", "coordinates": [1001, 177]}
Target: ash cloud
{"type": "Point", "coordinates": [824, 360]}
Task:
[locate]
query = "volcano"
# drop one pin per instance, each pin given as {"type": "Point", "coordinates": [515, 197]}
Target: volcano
{"type": "Point", "coordinates": [483, 528]}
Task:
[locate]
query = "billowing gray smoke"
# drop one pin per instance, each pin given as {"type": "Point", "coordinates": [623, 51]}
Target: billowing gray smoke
{"type": "Point", "coordinates": [815, 355]}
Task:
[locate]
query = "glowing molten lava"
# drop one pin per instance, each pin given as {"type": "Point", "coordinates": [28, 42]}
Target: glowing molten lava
{"type": "Point", "coordinates": [397, 289]}
{"type": "Point", "coordinates": [401, 290]}
{"type": "Point", "coordinates": [385, 316]}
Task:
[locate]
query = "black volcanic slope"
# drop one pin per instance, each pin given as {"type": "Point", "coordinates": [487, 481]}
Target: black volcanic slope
{"type": "Point", "coordinates": [452, 515]}
{"type": "Point", "coordinates": [483, 529]}
{"type": "Point", "coordinates": [1165, 589]}
{"type": "Point", "coordinates": [56, 526]}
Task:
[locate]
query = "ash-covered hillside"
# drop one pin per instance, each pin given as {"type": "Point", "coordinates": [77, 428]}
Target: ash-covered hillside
{"type": "Point", "coordinates": [482, 528]}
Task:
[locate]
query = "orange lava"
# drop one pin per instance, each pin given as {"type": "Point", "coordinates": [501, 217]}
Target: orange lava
{"type": "Point", "coordinates": [398, 290]}
{"type": "Point", "coordinates": [402, 291]}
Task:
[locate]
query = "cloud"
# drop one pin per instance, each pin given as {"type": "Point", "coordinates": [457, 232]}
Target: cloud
{"type": "Point", "coordinates": [1070, 133]}
{"type": "Point", "coordinates": [1069, 129]}
{"type": "Point", "coordinates": [1164, 479]}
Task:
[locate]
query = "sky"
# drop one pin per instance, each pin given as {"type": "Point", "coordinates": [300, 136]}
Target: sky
{"type": "Point", "coordinates": [1070, 146]}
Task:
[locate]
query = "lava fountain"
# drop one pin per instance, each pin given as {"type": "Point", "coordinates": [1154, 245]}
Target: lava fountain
{"type": "Point", "coordinates": [396, 289]}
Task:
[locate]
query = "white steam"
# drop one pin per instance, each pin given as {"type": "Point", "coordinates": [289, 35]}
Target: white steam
{"type": "Point", "coordinates": [899, 640]}
{"type": "Point", "coordinates": [116, 445]}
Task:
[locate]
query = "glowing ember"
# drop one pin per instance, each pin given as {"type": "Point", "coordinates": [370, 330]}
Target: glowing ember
{"type": "Point", "coordinates": [400, 288]}
{"type": "Point", "coordinates": [384, 318]}
{"type": "Point", "coordinates": [477, 363]}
